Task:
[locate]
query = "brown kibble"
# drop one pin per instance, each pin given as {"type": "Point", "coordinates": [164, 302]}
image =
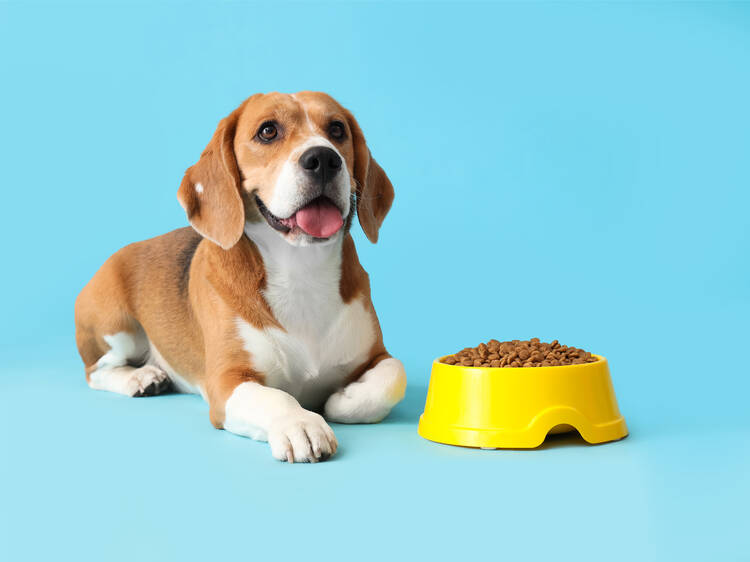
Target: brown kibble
{"type": "Point", "coordinates": [518, 353]}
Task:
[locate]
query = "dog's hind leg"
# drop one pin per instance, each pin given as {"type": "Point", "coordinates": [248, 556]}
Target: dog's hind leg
{"type": "Point", "coordinates": [115, 371]}
{"type": "Point", "coordinates": [148, 380]}
{"type": "Point", "coordinates": [122, 368]}
{"type": "Point", "coordinates": [113, 345]}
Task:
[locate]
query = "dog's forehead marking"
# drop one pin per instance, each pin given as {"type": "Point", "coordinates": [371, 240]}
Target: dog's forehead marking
{"type": "Point", "coordinates": [304, 110]}
{"type": "Point", "coordinates": [311, 141]}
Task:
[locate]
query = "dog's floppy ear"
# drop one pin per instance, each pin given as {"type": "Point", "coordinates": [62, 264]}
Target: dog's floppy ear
{"type": "Point", "coordinates": [374, 190]}
{"type": "Point", "coordinates": [210, 190]}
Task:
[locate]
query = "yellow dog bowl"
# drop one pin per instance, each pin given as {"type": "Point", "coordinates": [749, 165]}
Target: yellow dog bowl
{"type": "Point", "coordinates": [517, 407]}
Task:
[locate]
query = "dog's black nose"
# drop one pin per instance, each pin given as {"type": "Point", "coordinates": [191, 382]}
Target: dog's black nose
{"type": "Point", "coordinates": [320, 162]}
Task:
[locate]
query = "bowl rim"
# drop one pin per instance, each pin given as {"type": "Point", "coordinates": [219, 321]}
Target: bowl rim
{"type": "Point", "coordinates": [438, 361]}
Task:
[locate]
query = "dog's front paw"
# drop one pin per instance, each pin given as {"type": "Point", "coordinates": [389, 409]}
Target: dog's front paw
{"type": "Point", "coordinates": [371, 398]}
{"type": "Point", "coordinates": [302, 437]}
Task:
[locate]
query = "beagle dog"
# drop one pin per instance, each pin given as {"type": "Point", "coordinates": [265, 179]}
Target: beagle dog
{"type": "Point", "coordinates": [262, 306]}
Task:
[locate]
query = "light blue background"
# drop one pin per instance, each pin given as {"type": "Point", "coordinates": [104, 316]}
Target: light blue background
{"type": "Point", "coordinates": [570, 171]}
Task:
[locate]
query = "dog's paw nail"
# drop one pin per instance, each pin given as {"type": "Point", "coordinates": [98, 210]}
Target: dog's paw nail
{"type": "Point", "coordinates": [148, 381]}
{"type": "Point", "coordinates": [304, 438]}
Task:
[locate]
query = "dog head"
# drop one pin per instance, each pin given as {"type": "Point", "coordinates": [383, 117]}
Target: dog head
{"type": "Point", "coordinates": [294, 161]}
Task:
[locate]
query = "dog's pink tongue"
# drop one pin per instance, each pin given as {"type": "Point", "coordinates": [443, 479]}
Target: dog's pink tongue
{"type": "Point", "coordinates": [321, 218]}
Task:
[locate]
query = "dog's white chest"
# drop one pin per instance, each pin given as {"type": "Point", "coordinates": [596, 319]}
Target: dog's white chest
{"type": "Point", "coordinates": [323, 339]}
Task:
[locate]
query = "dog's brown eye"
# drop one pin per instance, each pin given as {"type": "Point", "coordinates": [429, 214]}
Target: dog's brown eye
{"type": "Point", "coordinates": [336, 130]}
{"type": "Point", "coordinates": [268, 131]}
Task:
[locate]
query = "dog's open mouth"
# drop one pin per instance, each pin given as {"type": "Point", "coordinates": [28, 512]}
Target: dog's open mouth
{"type": "Point", "coordinates": [319, 218]}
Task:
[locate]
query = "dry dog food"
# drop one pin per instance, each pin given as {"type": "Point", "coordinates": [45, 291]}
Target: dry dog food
{"type": "Point", "coordinates": [517, 353]}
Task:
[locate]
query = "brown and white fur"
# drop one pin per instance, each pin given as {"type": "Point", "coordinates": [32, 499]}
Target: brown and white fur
{"type": "Point", "coordinates": [269, 324]}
